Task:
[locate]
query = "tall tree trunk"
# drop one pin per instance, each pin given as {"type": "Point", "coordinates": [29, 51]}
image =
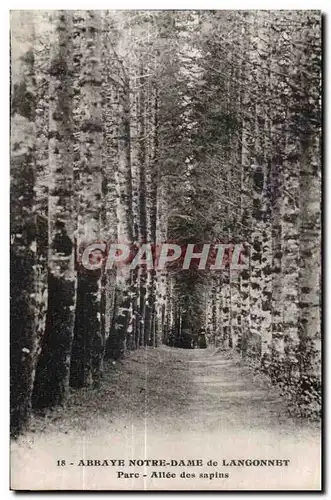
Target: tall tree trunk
{"type": "Point", "coordinates": [28, 256]}
{"type": "Point", "coordinates": [290, 240]}
{"type": "Point", "coordinates": [310, 202]}
{"type": "Point", "coordinates": [142, 133]}
{"type": "Point", "coordinates": [117, 342]}
{"type": "Point", "coordinates": [110, 152]}
{"type": "Point", "coordinates": [161, 278]}
{"type": "Point", "coordinates": [151, 206]}
{"type": "Point", "coordinates": [52, 382]}
{"type": "Point", "coordinates": [247, 145]}
{"type": "Point", "coordinates": [226, 309]}
{"type": "Point", "coordinates": [276, 172]}
{"type": "Point", "coordinates": [89, 343]}
{"type": "Point", "coordinates": [310, 248]}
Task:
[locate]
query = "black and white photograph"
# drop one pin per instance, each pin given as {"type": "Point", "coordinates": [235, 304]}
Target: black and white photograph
{"type": "Point", "coordinates": [165, 250]}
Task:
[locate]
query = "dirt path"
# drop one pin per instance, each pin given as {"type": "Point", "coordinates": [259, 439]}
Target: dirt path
{"type": "Point", "coordinates": [172, 403]}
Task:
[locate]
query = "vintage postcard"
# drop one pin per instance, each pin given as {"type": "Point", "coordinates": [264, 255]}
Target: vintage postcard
{"type": "Point", "coordinates": [165, 250]}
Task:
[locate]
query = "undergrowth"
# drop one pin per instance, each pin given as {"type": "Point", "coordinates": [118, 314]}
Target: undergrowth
{"type": "Point", "coordinates": [295, 373]}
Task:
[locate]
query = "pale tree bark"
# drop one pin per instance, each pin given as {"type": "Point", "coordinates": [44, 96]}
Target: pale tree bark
{"type": "Point", "coordinates": [122, 331]}
{"type": "Point", "coordinates": [258, 172]}
{"type": "Point", "coordinates": [170, 312]}
{"type": "Point", "coordinates": [247, 146]}
{"type": "Point", "coordinates": [42, 69]}
{"type": "Point", "coordinates": [88, 348]}
{"type": "Point", "coordinates": [161, 278]}
{"type": "Point", "coordinates": [135, 170]}
{"type": "Point", "coordinates": [276, 113]}
{"type": "Point", "coordinates": [266, 271]}
{"type": "Point", "coordinates": [28, 259]}
{"type": "Point", "coordinates": [52, 382]}
{"type": "Point", "coordinates": [310, 201]}
{"type": "Point", "coordinates": [235, 308]}
{"type": "Point", "coordinates": [151, 207]}
{"type": "Point", "coordinates": [234, 211]}
{"type": "Point", "coordinates": [290, 236]}
{"type": "Point", "coordinates": [226, 309]}
{"type": "Point", "coordinates": [310, 247]}
{"type": "Point", "coordinates": [109, 161]}
{"type": "Point", "coordinates": [217, 311]}
{"type": "Point", "coordinates": [142, 132]}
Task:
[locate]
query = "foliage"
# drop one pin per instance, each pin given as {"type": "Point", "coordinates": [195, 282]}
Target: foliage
{"type": "Point", "coordinates": [295, 374]}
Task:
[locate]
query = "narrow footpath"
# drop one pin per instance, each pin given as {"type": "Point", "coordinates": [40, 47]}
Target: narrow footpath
{"type": "Point", "coordinates": [172, 404]}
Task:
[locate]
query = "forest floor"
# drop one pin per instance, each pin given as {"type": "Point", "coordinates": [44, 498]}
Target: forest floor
{"type": "Point", "coordinates": [170, 403]}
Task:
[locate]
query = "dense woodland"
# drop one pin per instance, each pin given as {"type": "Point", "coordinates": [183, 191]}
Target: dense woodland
{"type": "Point", "coordinates": [153, 126]}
